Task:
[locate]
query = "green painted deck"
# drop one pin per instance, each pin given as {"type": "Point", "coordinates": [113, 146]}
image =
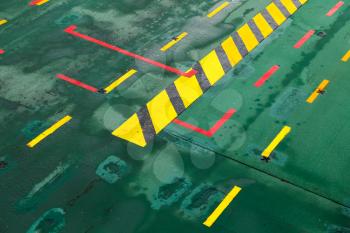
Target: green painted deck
{"type": "Point", "coordinates": [103, 184]}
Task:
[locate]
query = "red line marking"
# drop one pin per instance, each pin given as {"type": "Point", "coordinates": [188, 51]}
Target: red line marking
{"type": "Point", "coordinates": [77, 83]}
{"type": "Point", "coordinates": [266, 76]}
{"type": "Point", "coordinates": [71, 30]}
{"type": "Point", "coordinates": [304, 39]}
{"type": "Point", "coordinates": [2, 51]}
{"type": "Point", "coordinates": [335, 8]}
{"type": "Point", "coordinates": [209, 133]}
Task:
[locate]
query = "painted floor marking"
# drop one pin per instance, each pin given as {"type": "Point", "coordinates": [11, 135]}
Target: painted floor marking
{"type": "Point", "coordinates": [346, 57]}
{"type": "Point", "coordinates": [266, 76]}
{"type": "Point", "coordinates": [213, 129]}
{"type": "Point", "coordinates": [305, 38]}
{"type": "Point", "coordinates": [38, 2]}
{"type": "Point", "coordinates": [3, 21]}
{"type": "Point", "coordinates": [49, 131]}
{"type": "Point", "coordinates": [120, 80]}
{"type": "Point", "coordinates": [142, 126]}
{"type": "Point", "coordinates": [77, 83]}
{"type": "Point", "coordinates": [335, 8]}
{"type": "Point", "coordinates": [222, 206]}
{"type": "Point", "coordinates": [319, 90]}
{"type": "Point", "coordinates": [2, 51]}
{"type": "Point", "coordinates": [218, 9]}
{"type": "Point", "coordinates": [71, 30]}
{"type": "Point", "coordinates": [276, 141]}
{"type": "Point", "coordinates": [174, 41]}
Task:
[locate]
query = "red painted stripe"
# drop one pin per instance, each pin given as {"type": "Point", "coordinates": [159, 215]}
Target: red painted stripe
{"type": "Point", "coordinates": [71, 30]}
{"type": "Point", "coordinates": [77, 83]}
{"type": "Point", "coordinates": [2, 51]}
{"type": "Point", "coordinates": [266, 76]}
{"type": "Point", "coordinates": [304, 39]}
{"type": "Point", "coordinates": [213, 129]}
{"type": "Point", "coordinates": [335, 8]}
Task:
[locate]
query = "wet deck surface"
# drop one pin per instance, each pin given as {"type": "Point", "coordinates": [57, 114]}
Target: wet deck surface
{"type": "Point", "coordinates": [83, 179]}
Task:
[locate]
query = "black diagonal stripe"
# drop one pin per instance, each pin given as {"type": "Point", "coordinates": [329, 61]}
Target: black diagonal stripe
{"type": "Point", "coordinates": [282, 8]}
{"type": "Point", "coordinates": [296, 3]}
{"type": "Point", "coordinates": [202, 78]}
{"type": "Point", "coordinates": [269, 19]}
{"type": "Point", "coordinates": [146, 124]}
{"type": "Point", "coordinates": [239, 43]}
{"type": "Point", "coordinates": [257, 33]}
{"type": "Point", "coordinates": [225, 63]}
{"type": "Point", "coordinates": [175, 99]}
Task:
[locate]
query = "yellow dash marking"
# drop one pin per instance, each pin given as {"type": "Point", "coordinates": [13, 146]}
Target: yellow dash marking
{"type": "Point", "coordinates": [316, 93]}
{"type": "Point", "coordinates": [41, 2]}
{"type": "Point", "coordinates": [289, 6]}
{"type": "Point", "coordinates": [3, 21]}
{"type": "Point", "coordinates": [49, 131]}
{"type": "Point", "coordinates": [346, 57]}
{"type": "Point", "coordinates": [212, 67]}
{"type": "Point", "coordinates": [248, 37]}
{"type": "Point", "coordinates": [231, 51]}
{"type": "Point", "coordinates": [120, 80]}
{"type": "Point", "coordinates": [189, 89]}
{"type": "Point", "coordinates": [174, 41]}
{"type": "Point", "coordinates": [276, 13]}
{"type": "Point", "coordinates": [280, 136]}
{"type": "Point", "coordinates": [263, 25]}
{"type": "Point", "coordinates": [303, 1]}
{"type": "Point", "coordinates": [218, 9]}
{"type": "Point", "coordinates": [222, 206]}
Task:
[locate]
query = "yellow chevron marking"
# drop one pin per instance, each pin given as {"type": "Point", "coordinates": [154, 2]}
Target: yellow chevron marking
{"type": "Point", "coordinates": [289, 5]}
{"type": "Point", "coordinates": [161, 111]}
{"type": "Point", "coordinates": [174, 42]}
{"type": "Point", "coordinates": [189, 89]}
{"type": "Point", "coordinates": [218, 9]}
{"type": "Point", "coordinates": [276, 141]}
{"type": "Point", "coordinates": [316, 92]}
{"type": "Point", "coordinates": [49, 131]}
{"type": "Point", "coordinates": [120, 80]}
{"type": "Point", "coordinates": [222, 206]}
{"type": "Point", "coordinates": [276, 13]}
{"type": "Point", "coordinates": [248, 37]}
{"type": "Point", "coordinates": [131, 131]}
{"type": "Point", "coordinates": [212, 67]}
{"type": "Point", "coordinates": [263, 25]}
{"type": "Point", "coordinates": [231, 51]}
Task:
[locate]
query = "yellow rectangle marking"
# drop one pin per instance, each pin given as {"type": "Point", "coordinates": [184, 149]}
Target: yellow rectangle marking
{"type": "Point", "coordinates": [276, 13]}
{"type": "Point", "coordinates": [263, 25]}
{"type": "Point", "coordinates": [49, 131]}
{"type": "Point", "coordinates": [231, 51]}
{"type": "Point", "coordinates": [248, 37]}
{"type": "Point", "coordinates": [120, 80]}
{"type": "Point", "coordinates": [218, 9]}
{"type": "Point", "coordinates": [3, 21]}
{"type": "Point", "coordinates": [289, 5]}
{"type": "Point", "coordinates": [280, 136]}
{"type": "Point", "coordinates": [174, 42]}
{"type": "Point", "coordinates": [316, 92]}
{"type": "Point", "coordinates": [212, 67]}
{"type": "Point", "coordinates": [346, 57]}
{"type": "Point", "coordinates": [161, 111]}
{"type": "Point", "coordinates": [222, 206]}
{"type": "Point", "coordinates": [189, 89]}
